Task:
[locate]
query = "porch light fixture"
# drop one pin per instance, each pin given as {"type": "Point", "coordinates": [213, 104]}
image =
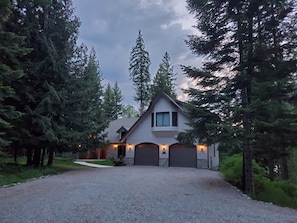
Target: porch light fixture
{"type": "Point", "coordinates": [129, 147]}
{"type": "Point", "coordinates": [164, 151]}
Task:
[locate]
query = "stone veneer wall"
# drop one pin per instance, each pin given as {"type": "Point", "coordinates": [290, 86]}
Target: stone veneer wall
{"type": "Point", "coordinates": [163, 162]}
{"type": "Point", "coordinates": [202, 164]}
{"type": "Point", "coordinates": [129, 161]}
{"type": "Point", "coordinates": [111, 153]}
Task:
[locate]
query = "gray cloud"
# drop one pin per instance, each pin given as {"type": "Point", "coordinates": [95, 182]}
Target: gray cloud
{"type": "Point", "coordinates": [111, 27]}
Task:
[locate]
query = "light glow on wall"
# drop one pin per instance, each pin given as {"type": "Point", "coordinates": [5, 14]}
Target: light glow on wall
{"type": "Point", "coordinates": [201, 148]}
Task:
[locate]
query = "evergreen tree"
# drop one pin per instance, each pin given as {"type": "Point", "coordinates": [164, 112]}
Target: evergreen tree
{"type": "Point", "coordinates": [113, 102]}
{"type": "Point", "coordinates": [139, 73]}
{"type": "Point", "coordinates": [10, 50]}
{"type": "Point", "coordinates": [164, 78]}
{"type": "Point", "coordinates": [232, 34]}
{"type": "Point", "coordinates": [86, 118]}
{"type": "Point", "coordinates": [50, 30]}
{"type": "Point", "coordinates": [129, 112]}
{"type": "Point", "coordinates": [109, 102]}
{"type": "Point", "coordinates": [118, 99]}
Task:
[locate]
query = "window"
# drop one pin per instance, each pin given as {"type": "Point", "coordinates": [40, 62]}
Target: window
{"type": "Point", "coordinates": [162, 119]}
{"type": "Point", "coordinates": [174, 118]}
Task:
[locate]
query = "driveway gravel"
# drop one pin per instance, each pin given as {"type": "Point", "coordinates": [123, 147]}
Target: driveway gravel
{"type": "Point", "coordinates": [135, 194]}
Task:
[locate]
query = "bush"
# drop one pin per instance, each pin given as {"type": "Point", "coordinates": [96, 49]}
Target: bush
{"type": "Point", "coordinates": [119, 162]}
{"type": "Point", "coordinates": [283, 193]}
{"type": "Point", "coordinates": [231, 168]}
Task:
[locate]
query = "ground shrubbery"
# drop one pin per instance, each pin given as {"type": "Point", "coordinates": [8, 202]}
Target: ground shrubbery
{"type": "Point", "coordinates": [280, 192]}
{"type": "Point", "coordinates": [15, 172]}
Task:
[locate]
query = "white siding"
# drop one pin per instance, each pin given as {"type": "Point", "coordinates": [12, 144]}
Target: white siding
{"type": "Point", "coordinates": [144, 133]}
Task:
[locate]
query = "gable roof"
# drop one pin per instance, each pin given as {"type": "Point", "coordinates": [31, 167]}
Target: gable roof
{"type": "Point", "coordinates": [117, 125]}
{"type": "Point", "coordinates": [175, 103]}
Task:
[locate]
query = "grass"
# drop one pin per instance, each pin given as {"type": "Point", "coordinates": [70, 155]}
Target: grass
{"type": "Point", "coordinates": [103, 162]}
{"type": "Point", "coordinates": [11, 173]}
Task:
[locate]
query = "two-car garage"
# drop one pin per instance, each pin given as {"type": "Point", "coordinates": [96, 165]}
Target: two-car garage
{"type": "Point", "coordinates": [179, 155]}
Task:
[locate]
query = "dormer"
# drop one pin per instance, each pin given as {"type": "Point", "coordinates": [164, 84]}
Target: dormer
{"type": "Point", "coordinates": [122, 131]}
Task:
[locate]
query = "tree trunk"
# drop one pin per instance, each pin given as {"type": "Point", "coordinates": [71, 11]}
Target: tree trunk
{"type": "Point", "coordinates": [15, 154]}
{"type": "Point", "coordinates": [284, 168]}
{"type": "Point", "coordinates": [36, 157]}
{"type": "Point", "coordinates": [271, 169]}
{"type": "Point", "coordinates": [29, 157]}
{"type": "Point", "coordinates": [42, 157]}
{"type": "Point", "coordinates": [248, 183]}
{"type": "Point", "coordinates": [50, 157]}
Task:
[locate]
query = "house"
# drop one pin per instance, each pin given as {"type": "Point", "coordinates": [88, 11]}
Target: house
{"type": "Point", "coordinates": [150, 139]}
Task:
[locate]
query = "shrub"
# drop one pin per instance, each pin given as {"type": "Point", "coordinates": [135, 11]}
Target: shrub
{"type": "Point", "coordinates": [283, 193]}
{"type": "Point", "coordinates": [231, 168]}
{"type": "Point", "coordinates": [119, 162]}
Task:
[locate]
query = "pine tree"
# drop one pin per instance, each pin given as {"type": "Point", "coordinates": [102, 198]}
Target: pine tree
{"type": "Point", "coordinates": [109, 102]}
{"type": "Point", "coordinates": [10, 50]}
{"type": "Point", "coordinates": [231, 35]}
{"type": "Point", "coordinates": [139, 73]}
{"type": "Point", "coordinates": [164, 78]}
{"type": "Point", "coordinates": [113, 102]}
{"type": "Point", "coordinates": [86, 118]}
{"type": "Point", "coordinates": [50, 30]}
{"type": "Point", "coordinates": [129, 112]}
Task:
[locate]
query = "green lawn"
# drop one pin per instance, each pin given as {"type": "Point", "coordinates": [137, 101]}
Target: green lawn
{"type": "Point", "coordinates": [11, 173]}
{"type": "Point", "coordinates": [102, 162]}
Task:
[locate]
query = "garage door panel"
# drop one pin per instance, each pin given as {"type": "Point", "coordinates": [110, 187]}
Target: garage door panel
{"type": "Point", "coordinates": [148, 156]}
{"type": "Point", "coordinates": [183, 157]}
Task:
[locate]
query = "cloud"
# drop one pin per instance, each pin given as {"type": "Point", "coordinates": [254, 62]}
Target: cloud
{"type": "Point", "coordinates": [111, 27]}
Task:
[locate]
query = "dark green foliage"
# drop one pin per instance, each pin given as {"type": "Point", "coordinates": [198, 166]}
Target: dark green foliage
{"type": "Point", "coordinates": [11, 50]}
{"type": "Point", "coordinates": [231, 167]}
{"type": "Point", "coordinates": [164, 78]}
{"type": "Point", "coordinates": [60, 95]}
{"type": "Point", "coordinates": [112, 102]}
{"type": "Point", "coordinates": [129, 112]}
{"type": "Point", "coordinates": [283, 193]}
{"type": "Point", "coordinates": [292, 163]}
{"type": "Point", "coordinates": [139, 73]}
{"type": "Point", "coordinates": [242, 91]}
{"type": "Point", "coordinates": [119, 161]}
{"type": "Point", "coordinates": [85, 117]}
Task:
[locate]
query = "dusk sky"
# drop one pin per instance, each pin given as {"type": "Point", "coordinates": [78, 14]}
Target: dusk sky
{"type": "Point", "coordinates": [111, 27]}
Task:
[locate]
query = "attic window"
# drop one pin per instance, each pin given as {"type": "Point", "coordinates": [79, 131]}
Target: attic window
{"type": "Point", "coordinates": [174, 118]}
{"type": "Point", "coordinates": [162, 119]}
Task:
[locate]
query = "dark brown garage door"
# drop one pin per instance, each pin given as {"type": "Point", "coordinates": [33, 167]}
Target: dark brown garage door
{"type": "Point", "coordinates": [147, 154]}
{"type": "Point", "coordinates": [182, 156]}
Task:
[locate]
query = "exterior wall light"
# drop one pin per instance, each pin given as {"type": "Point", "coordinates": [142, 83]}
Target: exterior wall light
{"type": "Point", "coordinates": [164, 151]}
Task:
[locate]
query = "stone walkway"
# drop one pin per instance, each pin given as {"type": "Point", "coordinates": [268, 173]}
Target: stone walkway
{"type": "Point", "coordinates": [84, 163]}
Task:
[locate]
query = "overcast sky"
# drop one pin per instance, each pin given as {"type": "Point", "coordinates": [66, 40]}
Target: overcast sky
{"type": "Point", "coordinates": [111, 27]}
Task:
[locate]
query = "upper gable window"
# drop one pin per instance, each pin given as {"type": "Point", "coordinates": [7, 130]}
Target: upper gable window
{"type": "Point", "coordinates": [162, 119]}
{"type": "Point", "coordinates": [174, 118]}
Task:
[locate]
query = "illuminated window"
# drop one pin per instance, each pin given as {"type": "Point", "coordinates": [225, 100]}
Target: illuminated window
{"type": "Point", "coordinates": [162, 119]}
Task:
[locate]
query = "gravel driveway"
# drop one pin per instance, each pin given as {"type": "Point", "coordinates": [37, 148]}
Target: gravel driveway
{"type": "Point", "coordinates": [134, 194]}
